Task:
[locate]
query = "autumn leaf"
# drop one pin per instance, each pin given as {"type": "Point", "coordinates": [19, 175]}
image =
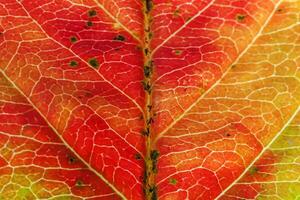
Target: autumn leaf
{"type": "Point", "coordinates": [149, 99]}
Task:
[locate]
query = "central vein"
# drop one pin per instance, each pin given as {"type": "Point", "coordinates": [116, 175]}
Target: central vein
{"type": "Point", "coordinates": [151, 155]}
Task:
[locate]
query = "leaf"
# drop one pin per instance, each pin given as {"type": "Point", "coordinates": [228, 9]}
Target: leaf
{"type": "Point", "coordinates": [149, 99]}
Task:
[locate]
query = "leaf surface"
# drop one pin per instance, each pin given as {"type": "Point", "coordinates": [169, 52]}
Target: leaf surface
{"type": "Point", "coordinates": [223, 93]}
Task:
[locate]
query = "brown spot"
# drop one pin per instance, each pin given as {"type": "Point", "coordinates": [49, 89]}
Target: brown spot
{"type": "Point", "coordinates": [253, 170]}
{"type": "Point", "coordinates": [176, 13]}
{"type": "Point", "coordinates": [94, 62]}
{"type": "Point", "coordinates": [92, 13]}
{"type": "Point", "coordinates": [138, 156]}
{"type": "Point", "coordinates": [89, 23]}
{"type": "Point", "coordinates": [240, 17]}
{"type": "Point", "coordinates": [73, 63]}
{"type": "Point", "coordinates": [177, 52]}
{"type": "Point", "coordinates": [73, 39]}
{"type": "Point", "coordinates": [279, 10]}
{"type": "Point", "coordinates": [119, 38]}
{"type": "Point", "coordinates": [79, 183]}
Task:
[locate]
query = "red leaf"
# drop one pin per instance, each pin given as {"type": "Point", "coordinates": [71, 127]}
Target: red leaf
{"type": "Point", "coordinates": [148, 99]}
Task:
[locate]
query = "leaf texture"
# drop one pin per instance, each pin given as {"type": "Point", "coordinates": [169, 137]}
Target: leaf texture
{"type": "Point", "coordinates": [34, 162]}
{"type": "Point", "coordinates": [221, 106]}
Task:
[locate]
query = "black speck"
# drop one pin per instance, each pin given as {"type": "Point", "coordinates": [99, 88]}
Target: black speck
{"type": "Point", "coordinates": [94, 62]}
{"type": "Point", "coordinates": [119, 38]}
{"type": "Point", "coordinates": [138, 156]}
{"type": "Point", "coordinates": [73, 39]}
{"type": "Point", "coordinates": [92, 13]}
{"type": "Point", "coordinates": [154, 154]}
{"type": "Point", "coordinates": [146, 132]}
{"type": "Point", "coordinates": [73, 63]}
{"type": "Point", "coordinates": [240, 17]}
{"type": "Point", "coordinates": [89, 23]}
{"type": "Point", "coordinates": [79, 183]}
{"type": "Point", "coordinates": [149, 107]}
{"type": "Point", "coordinates": [149, 5]}
{"type": "Point", "coordinates": [146, 51]}
{"type": "Point", "coordinates": [154, 193]}
{"type": "Point", "coordinates": [150, 120]}
{"type": "Point", "coordinates": [147, 71]}
{"type": "Point", "coordinates": [145, 177]}
{"type": "Point", "coordinates": [279, 10]}
{"type": "Point", "coordinates": [147, 86]}
{"type": "Point", "coordinates": [72, 160]}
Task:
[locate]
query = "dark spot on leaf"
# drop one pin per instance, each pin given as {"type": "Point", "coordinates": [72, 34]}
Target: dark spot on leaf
{"type": "Point", "coordinates": [154, 154]}
{"type": "Point", "coordinates": [79, 183]}
{"type": "Point", "coordinates": [92, 13]}
{"type": "Point", "coordinates": [149, 5]}
{"type": "Point", "coordinates": [71, 160]}
{"type": "Point", "coordinates": [240, 17]}
{"type": "Point", "coordinates": [89, 23]}
{"type": "Point", "coordinates": [253, 170]}
{"type": "Point", "coordinates": [138, 156]}
{"type": "Point", "coordinates": [279, 10]}
{"type": "Point", "coordinates": [147, 86]}
{"type": "Point", "coordinates": [147, 71]}
{"type": "Point", "coordinates": [176, 13]}
{"type": "Point", "coordinates": [146, 51]}
{"type": "Point", "coordinates": [177, 52]}
{"type": "Point", "coordinates": [228, 135]}
{"type": "Point", "coordinates": [146, 132]}
{"type": "Point", "coordinates": [94, 62]}
{"type": "Point", "coordinates": [150, 35]}
{"type": "Point", "coordinates": [73, 63]}
{"type": "Point", "coordinates": [150, 121]}
{"type": "Point", "coordinates": [233, 66]}
{"type": "Point", "coordinates": [73, 39]}
{"type": "Point", "coordinates": [145, 177]}
{"type": "Point", "coordinates": [119, 38]}
{"type": "Point", "coordinates": [172, 181]}
{"type": "Point", "coordinates": [153, 191]}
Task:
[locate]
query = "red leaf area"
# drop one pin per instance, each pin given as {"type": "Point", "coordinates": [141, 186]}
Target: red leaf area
{"type": "Point", "coordinates": [73, 106]}
{"type": "Point", "coordinates": [32, 156]}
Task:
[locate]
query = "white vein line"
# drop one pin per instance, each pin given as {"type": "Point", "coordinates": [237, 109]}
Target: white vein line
{"type": "Point", "coordinates": [260, 154]}
{"type": "Point", "coordinates": [116, 19]}
{"type": "Point", "coordinates": [225, 73]}
{"type": "Point", "coordinates": [64, 47]}
{"type": "Point", "coordinates": [63, 141]}
{"type": "Point", "coordinates": [182, 27]}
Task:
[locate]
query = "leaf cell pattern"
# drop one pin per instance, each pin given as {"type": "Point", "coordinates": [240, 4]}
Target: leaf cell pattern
{"type": "Point", "coordinates": [224, 89]}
